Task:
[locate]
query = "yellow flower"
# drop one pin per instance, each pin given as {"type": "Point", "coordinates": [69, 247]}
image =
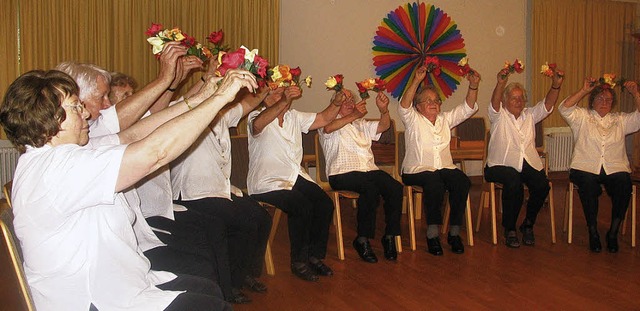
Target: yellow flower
{"type": "Point", "coordinates": [544, 68]}
{"type": "Point", "coordinates": [157, 44]}
{"type": "Point", "coordinates": [507, 65]}
{"type": "Point", "coordinates": [307, 81]}
{"type": "Point", "coordinates": [521, 64]}
{"type": "Point", "coordinates": [285, 72]}
{"type": "Point", "coordinates": [249, 55]}
{"type": "Point", "coordinates": [463, 61]}
{"type": "Point", "coordinates": [176, 34]}
{"type": "Point", "coordinates": [609, 78]}
{"type": "Point", "coordinates": [331, 83]}
{"type": "Point", "coordinates": [276, 76]}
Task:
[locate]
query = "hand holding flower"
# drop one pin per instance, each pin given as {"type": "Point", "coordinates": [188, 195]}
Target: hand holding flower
{"type": "Point", "coordinates": [335, 83]}
{"type": "Point", "coordinates": [632, 87]}
{"type": "Point", "coordinates": [234, 80]}
{"type": "Point", "coordinates": [292, 92]}
{"type": "Point", "coordinates": [421, 73]}
{"type": "Point", "coordinates": [517, 67]}
{"type": "Point", "coordinates": [382, 101]}
{"type": "Point", "coordinates": [588, 85]}
{"type": "Point", "coordinates": [474, 78]}
{"type": "Point", "coordinates": [339, 99]}
{"type": "Point", "coordinates": [433, 64]}
{"type": "Point", "coordinates": [172, 53]}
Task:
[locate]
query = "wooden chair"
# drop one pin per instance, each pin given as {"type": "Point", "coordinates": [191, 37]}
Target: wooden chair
{"type": "Point", "coordinates": [16, 294]}
{"type": "Point", "coordinates": [7, 191]}
{"type": "Point", "coordinates": [336, 195]}
{"type": "Point", "coordinates": [239, 171]}
{"type": "Point", "coordinates": [568, 212]}
{"type": "Point", "coordinates": [491, 188]}
{"type": "Point", "coordinates": [414, 193]}
{"type": "Point", "coordinates": [469, 133]}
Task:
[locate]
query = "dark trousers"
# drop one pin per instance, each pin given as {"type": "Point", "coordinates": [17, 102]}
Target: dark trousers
{"type": "Point", "coordinates": [370, 186]}
{"type": "Point", "coordinates": [513, 191]}
{"type": "Point", "coordinates": [617, 185]}
{"type": "Point", "coordinates": [248, 225]}
{"type": "Point", "coordinates": [201, 235]}
{"type": "Point", "coordinates": [201, 294]}
{"type": "Point", "coordinates": [309, 210]}
{"type": "Point", "coordinates": [434, 185]}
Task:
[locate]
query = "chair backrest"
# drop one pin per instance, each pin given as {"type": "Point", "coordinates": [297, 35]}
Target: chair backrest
{"type": "Point", "coordinates": [239, 161]}
{"type": "Point", "coordinates": [471, 129]}
{"type": "Point", "coordinates": [321, 163]}
{"type": "Point", "coordinates": [15, 294]}
{"type": "Point", "coordinates": [7, 191]}
{"type": "Point", "coordinates": [400, 151]}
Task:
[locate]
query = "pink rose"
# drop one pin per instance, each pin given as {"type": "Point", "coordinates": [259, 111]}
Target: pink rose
{"type": "Point", "coordinates": [153, 30]}
{"type": "Point", "coordinates": [231, 61]}
{"type": "Point", "coordinates": [261, 65]}
{"type": "Point", "coordinates": [295, 72]}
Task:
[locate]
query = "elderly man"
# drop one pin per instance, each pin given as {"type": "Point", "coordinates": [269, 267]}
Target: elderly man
{"type": "Point", "coordinates": [346, 143]}
{"type": "Point", "coordinates": [428, 163]}
{"type": "Point", "coordinates": [512, 159]}
{"type": "Point", "coordinates": [276, 177]}
{"type": "Point", "coordinates": [122, 86]}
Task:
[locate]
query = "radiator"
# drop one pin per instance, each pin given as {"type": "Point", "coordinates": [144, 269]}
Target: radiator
{"type": "Point", "coordinates": [559, 148]}
{"type": "Point", "coordinates": [8, 160]}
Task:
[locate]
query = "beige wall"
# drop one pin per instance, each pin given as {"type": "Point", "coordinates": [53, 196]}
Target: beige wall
{"type": "Point", "coordinates": [326, 37]}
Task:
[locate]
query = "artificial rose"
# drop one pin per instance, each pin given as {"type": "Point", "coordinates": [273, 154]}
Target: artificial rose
{"type": "Point", "coordinates": [175, 34]}
{"type": "Point", "coordinates": [331, 82]}
{"type": "Point", "coordinates": [285, 72]}
{"type": "Point", "coordinates": [380, 85]}
{"type": "Point", "coordinates": [463, 61]}
{"type": "Point", "coordinates": [339, 78]}
{"type": "Point", "coordinates": [206, 52]}
{"type": "Point", "coordinates": [261, 65]}
{"type": "Point", "coordinates": [230, 61]}
{"type": "Point", "coordinates": [275, 74]}
{"type": "Point", "coordinates": [157, 44]}
{"type": "Point", "coordinates": [609, 78]}
{"type": "Point", "coordinates": [215, 37]}
{"type": "Point", "coordinates": [250, 54]}
{"type": "Point", "coordinates": [362, 89]}
{"type": "Point", "coordinates": [153, 30]}
{"type": "Point", "coordinates": [295, 72]}
{"type": "Point", "coordinates": [518, 66]}
{"type": "Point", "coordinates": [188, 41]}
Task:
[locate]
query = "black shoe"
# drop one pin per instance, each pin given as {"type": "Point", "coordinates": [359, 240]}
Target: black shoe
{"type": "Point", "coordinates": [389, 245]}
{"type": "Point", "coordinates": [254, 285]}
{"type": "Point", "coordinates": [434, 247]}
{"type": "Point", "coordinates": [456, 244]}
{"type": "Point", "coordinates": [511, 239]}
{"type": "Point", "coordinates": [612, 243]}
{"type": "Point", "coordinates": [304, 272]}
{"type": "Point", "coordinates": [238, 297]}
{"type": "Point", "coordinates": [527, 235]}
{"type": "Point", "coordinates": [594, 242]}
{"type": "Point", "coordinates": [320, 268]}
{"type": "Point", "coordinates": [365, 251]}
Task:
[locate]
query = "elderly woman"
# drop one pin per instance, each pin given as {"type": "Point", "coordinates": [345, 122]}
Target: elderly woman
{"type": "Point", "coordinates": [73, 223]}
{"type": "Point", "coordinates": [512, 158]}
{"type": "Point", "coordinates": [122, 86]}
{"type": "Point", "coordinates": [599, 155]}
{"type": "Point", "coordinates": [428, 162]}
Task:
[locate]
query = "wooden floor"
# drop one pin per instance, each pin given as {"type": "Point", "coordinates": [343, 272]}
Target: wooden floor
{"type": "Point", "coordinates": [485, 277]}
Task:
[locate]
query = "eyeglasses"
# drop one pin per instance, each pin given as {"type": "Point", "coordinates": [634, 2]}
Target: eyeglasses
{"type": "Point", "coordinates": [436, 101]}
{"type": "Point", "coordinates": [517, 99]}
{"type": "Point", "coordinates": [602, 99]}
{"type": "Point", "coordinates": [77, 107]}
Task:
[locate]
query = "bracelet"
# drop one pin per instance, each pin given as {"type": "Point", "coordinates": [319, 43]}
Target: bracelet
{"type": "Point", "coordinates": [186, 101]}
{"type": "Point", "coordinates": [203, 80]}
{"type": "Point", "coordinates": [171, 90]}
{"type": "Point", "coordinates": [473, 88]}
{"type": "Point", "coordinates": [555, 88]}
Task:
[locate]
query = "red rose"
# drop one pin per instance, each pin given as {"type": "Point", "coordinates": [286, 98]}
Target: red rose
{"type": "Point", "coordinates": [553, 66]}
{"type": "Point", "coordinates": [465, 69]}
{"type": "Point", "coordinates": [153, 30]}
{"type": "Point", "coordinates": [261, 65]}
{"type": "Point", "coordinates": [339, 78]}
{"type": "Point", "coordinates": [215, 37]}
{"type": "Point", "coordinates": [517, 66]}
{"type": "Point", "coordinates": [231, 61]}
{"type": "Point", "coordinates": [188, 41]}
{"type": "Point", "coordinates": [380, 85]}
{"type": "Point", "coordinates": [361, 88]}
{"type": "Point", "coordinates": [295, 72]}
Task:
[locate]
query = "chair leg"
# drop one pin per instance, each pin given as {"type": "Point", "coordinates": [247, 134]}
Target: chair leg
{"type": "Point", "coordinates": [481, 207]}
{"type": "Point", "coordinates": [268, 261]}
{"type": "Point", "coordinates": [552, 212]}
{"type": "Point", "coordinates": [468, 217]}
{"type": "Point", "coordinates": [570, 215]}
{"type": "Point", "coordinates": [634, 193]}
{"type": "Point", "coordinates": [337, 221]}
{"type": "Point", "coordinates": [410, 216]}
{"type": "Point", "coordinates": [268, 255]}
{"type": "Point", "coordinates": [445, 218]}
{"type": "Point", "coordinates": [494, 230]}
{"type": "Point", "coordinates": [399, 244]}
{"type": "Point", "coordinates": [418, 204]}
{"type": "Point", "coordinates": [565, 217]}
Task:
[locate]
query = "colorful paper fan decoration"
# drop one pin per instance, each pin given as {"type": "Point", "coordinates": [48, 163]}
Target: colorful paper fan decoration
{"type": "Point", "coordinates": [407, 36]}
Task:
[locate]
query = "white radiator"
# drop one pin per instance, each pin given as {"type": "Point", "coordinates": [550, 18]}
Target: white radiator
{"type": "Point", "coordinates": [8, 160]}
{"type": "Point", "coordinates": [559, 148]}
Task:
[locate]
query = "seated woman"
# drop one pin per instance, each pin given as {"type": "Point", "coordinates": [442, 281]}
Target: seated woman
{"type": "Point", "coordinates": [73, 223]}
{"type": "Point", "coordinates": [599, 154]}
{"type": "Point", "coordinates": [428, 163]}
{"type": "Point", "coordinates": [512, 158]}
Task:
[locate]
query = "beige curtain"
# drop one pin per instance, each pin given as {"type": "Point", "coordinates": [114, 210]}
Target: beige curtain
{"type": "Point", "coordinates": [586, 38]}
{"type": "Point", "coordinates": [9, 49]}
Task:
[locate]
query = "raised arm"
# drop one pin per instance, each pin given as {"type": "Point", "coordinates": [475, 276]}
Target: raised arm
{"type": "Point", "coordinates": [184, 68]}
{"type": "Point", "coordinates": [359, 111]}
{"type": "Point", "coordinates": [250, 101]}
{"type": "Point", "coordinates": [632, 87]}
{"type": "Point", "coordinates": [329, 114]}
{"type": "Point", "coordinates": [134, 107]}
{"type": "Point", "coordinates": [587, 87]}
{"type": "Point", "coordinates": [410, 93]}
{"type": "Point", "coordinates": [553, 93]}
{"type": "Point", "coordinates": [496, 96]}
{"type": "Point", "coordinates": [276, 104]}
{"type": "Point", "coordinates": [172, 138]}
{"type": "Point", "coordinates": [382, 101]}
{"type": "Point", "coordinates": [472, 93]}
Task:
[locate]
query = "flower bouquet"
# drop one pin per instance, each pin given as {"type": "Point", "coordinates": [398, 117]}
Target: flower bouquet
{"type": "Point", "coordinates": [215, 38]}
{"type": "Point", "coordinates": [246, 59]}
{"type": "Point", "coordinates": [283, 76]}
{"type": "Point", "coordinates": [335, 83]}
{"type": "Point", "coordinates": [159, 36]}
{"type": "Point", "coordinates": [549, 69]}
{"type": "Point", "coordinates": [433, 65]}
{"type": "Point", "coordinates": [376, 85]}
{"type": "Point", "coordinates": [464, 67]}
{"type": "Point", "coordinates": [517, 67]}
{"type": "Point", "coordinates": [608, 81]}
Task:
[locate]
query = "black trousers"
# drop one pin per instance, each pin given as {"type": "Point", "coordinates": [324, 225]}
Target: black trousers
{"type": "Point", "coordinates": [618, 187]}
{"type": "Point", "coordinates": [309, 210]}
{"type": "Point", "coordinates": [201, 294]}
{"type": "Point", "coordinates": [434, 185]}
{"type": "Point", "coordinates": [201, 235]}
{"type": "Point", "coordinates": [513, 191]}
{"type": "Point", "coordinates": [370, 186]}
{"type": "Point", "coordinates": [248, 225]}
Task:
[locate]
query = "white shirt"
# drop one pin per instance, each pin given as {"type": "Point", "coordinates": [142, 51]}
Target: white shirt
{"type": "Point", "coordinates": [275, 154]}
{"type": "Point", "coordinates": [76, 232]}
{"type": "Point", "coordinates": [599, 141]}
{"type": "Point", "coordinates": [204, 169]}
{"type": "Point", "coordinates": [426, 143]}
{"type": "Point", "coordinates": [349, 148]}
{"type": "Point", "coordinates": [107, 123]}
{"type": "Point", "coordinates": [513, 140]}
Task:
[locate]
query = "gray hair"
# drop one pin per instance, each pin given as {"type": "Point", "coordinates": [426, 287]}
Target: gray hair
{"type": "Point", "coordinates": [512, 86]}
{"type": "Point", "coordinates": [85, 75]}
